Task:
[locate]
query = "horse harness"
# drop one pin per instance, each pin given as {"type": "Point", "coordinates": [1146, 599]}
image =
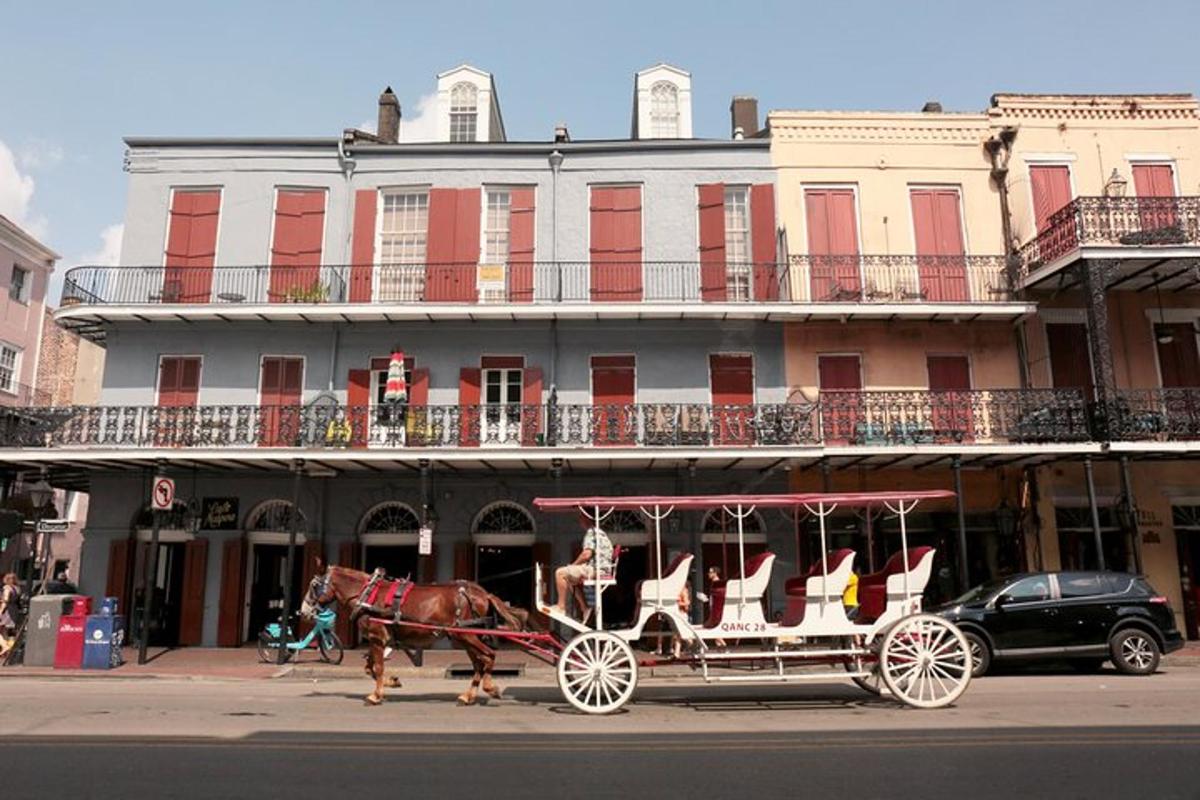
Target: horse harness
{"type": "Point", "coordinates": [383, 598]}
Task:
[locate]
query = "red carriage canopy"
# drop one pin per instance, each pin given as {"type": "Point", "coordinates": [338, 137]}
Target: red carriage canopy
{"type": "Point", "coordinates": [852, 499]}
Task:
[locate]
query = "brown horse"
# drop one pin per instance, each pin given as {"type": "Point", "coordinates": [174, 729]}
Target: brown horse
{"type": "Point", "coordinates": [443, 604]}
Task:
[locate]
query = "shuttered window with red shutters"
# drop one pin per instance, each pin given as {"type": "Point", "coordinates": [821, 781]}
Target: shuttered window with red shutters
{"type": "Point", "coordinates": [937, 224]}
{"type": "Point", "coordinates": [191, 246]}
{"type": "Point", "coordinates": [832, 220]}
{"type": "Point", "coordinates": [616, 243]}
{"type": "Point", "coordinates": [280, 391]}
{"type": "Point", "coordinates": [711, 199]}
{"type": "Point", "coordinates": [453, 246]}
{"type": "Point", "coordinates": [840, 379]}
{"type": "Point", "coordinates": [732, 381]}
{"type": "Point", "coordinates": [950, 386]}
{"type": "Point", "coordinates": [1152, 181]}
{"type": "Point", "coordinates": [296, 246]}
{"type": "Point", "coordinates": [764, 241]}
{"type": "Point", "coordinates": [362, 245]}
{"type": "Point", "coordinates": [521, 244]}
{"type": "Point", "coordinates": [1051, 185]}
{"type": "Point", "coordinates": [614, 391]}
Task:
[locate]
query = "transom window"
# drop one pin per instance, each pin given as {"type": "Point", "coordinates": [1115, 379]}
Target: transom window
{"type": "Point", "coordinates": [664, 110]}
{"type": "Point", "coordinates": [502, 518]}
{"type": "Point", "coordinates": [402, 243]}
{"type": "Point", "coordinates": [391, 517]}
{"type": "Point", "coordinates": [274, 516]}
{"type": "Point", "coordinates": [464, 111]}
{"type": "Point", "coordinates": [10, 358]}
{"type": "Point", "coordinates": [1186, 517]}
{"type": "Point", "coordinates": [737, 242]}
{"type": "Point", "coordinates": [496, 226]}
{"type": "Point", "coordinates": [721, 521]}
{"type": "Point", "coordinates": [18, 289]}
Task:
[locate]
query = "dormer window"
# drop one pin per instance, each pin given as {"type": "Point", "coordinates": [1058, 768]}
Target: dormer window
{"type": "Point", "coordinates": [464, 112]}
{"type": "Point", "coordinates": [664, 111]}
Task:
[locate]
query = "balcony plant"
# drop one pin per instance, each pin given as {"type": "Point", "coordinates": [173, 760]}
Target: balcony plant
{"type": "Point", "coordinates": [314, 293]}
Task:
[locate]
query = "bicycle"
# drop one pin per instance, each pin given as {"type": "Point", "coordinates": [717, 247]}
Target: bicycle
{"type": "Point", "coordinates": [327, 641]}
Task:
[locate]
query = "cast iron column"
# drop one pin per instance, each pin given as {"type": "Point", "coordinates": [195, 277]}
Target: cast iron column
{"type": "Point", "coordinates": [1094, 277]}
{"type": "Point", "coordinates": [293, 534]}
{"type": "Point", "coordinates": [150, 568]}
{"type": "Point", "coordinates": [1131, 512]}
{"type": "Point", "coordinates": [1091, 490]}
{"type": "Point", "coordinates": [964, 578]}
{"type": "Point", "coordinates": [426, 503]}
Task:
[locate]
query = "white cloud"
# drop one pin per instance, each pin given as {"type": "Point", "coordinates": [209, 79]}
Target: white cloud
{"type": "Point", "coordinates": [368, 126]}
{"type": "Point", "coordinates": [40, 154]}
{"type": "Point", "coordinates": [16, 193]}
{"type": "Point", "coordinates": [422, 127]}
{"type": "Point", "coordinates": [109, 254]}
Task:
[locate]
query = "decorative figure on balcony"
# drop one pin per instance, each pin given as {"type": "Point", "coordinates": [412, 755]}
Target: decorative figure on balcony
{"type": "Point", "coordinates": [396, 393]}
{"type": "Point", "coordinates": [339, 431]}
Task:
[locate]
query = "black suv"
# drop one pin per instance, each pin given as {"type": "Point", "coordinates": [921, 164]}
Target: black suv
{"type": "Point", "coordinates": [1084, 617]}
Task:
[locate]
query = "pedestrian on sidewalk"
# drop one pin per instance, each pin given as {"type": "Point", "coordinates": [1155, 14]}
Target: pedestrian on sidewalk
{"type": "Point", "coordinates": [10, 611]}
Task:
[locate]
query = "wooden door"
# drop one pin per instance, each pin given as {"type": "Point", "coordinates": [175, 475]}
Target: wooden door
{"type": "Point", "coordinates": [840, 379]}
{"type": "Point", "coordinates": [191, 246]}
{"type": "Point", "coordinates": [1154, 183]}
{"type": "Point", "coordinates": [614, 419]}
{"type": "Point", "coordinates": [950, 398]}
{"type": "Point", "coordinates": [195, 576]}
{"type": "Point", "coordinates": [832, 221]}
{"type": "Point", "coordinates": [941, 266]}
{"type": "Point", "coordinates": [452, 251]}
{"type": "Point", "coordinates": [1051, 184]}
{"type": "Point", "coordinates": [616, 244]}
{"type": "Point", "coordinates": [732, 380]}
{"type": "Point", "coordinates": [281, 384]}
{"type": "Point", "coordinates": [120, 572]}
{"type": "Point", "coordinates": [296, 246]}
{"type": "Point", "coordinates": [1070, 357]}
{"type": "Point", "coordinates": [233, 593]}
{"type": "Point", "coordinates": [178, 389]}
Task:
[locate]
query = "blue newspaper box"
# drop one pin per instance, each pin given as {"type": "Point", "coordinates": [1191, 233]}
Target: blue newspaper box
{"type": "Point", "coordinates": [103, 636]}
{"type": "Point", "coordinates": [108, 607]}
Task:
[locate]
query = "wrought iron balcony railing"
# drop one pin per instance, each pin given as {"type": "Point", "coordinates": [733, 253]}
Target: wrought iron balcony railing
{"type": "Point", "coordinates": [835, 418]}
{"type": "Point", "coordinates": [901, 279]}
{"type": "Point", "coordinates": [1114, 221]}
{"type": "Point", "coordinates": [460, 283]}
{"type": "Point", "coordinates": [1164, 415]}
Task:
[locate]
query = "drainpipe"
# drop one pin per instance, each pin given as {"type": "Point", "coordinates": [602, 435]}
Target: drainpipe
{"type": "Point", "coordinates": [348, 164]}
{"type": "Point", "coordinates": [556, 159]}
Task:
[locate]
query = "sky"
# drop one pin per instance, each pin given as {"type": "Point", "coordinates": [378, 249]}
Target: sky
{"type": "Point", "coordinates": [77, 77]}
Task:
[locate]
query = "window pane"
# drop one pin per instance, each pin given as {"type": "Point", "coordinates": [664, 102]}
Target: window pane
{"type": "Point", "coordinates": [1078, 585]}
{"type": "Point", "coordinates": [1030, 589]}
{"type": "Point", "coordinates": [664, 111]}
{"type": "Point", "coordinates": [8, 368]}
{"type": "Point", "coordinates": [402, 245]}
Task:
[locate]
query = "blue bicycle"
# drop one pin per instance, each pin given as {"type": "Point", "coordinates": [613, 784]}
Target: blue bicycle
{"type": "Point", "coordinates": [322, 633]}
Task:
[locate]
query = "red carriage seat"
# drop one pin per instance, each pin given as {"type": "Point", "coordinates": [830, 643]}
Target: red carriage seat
{"type": "Point", "coordinates": [796, 587]}
{"type": "Point", "coordinates": [872, 589]}
{"type": "Point", "coordinates": [753, 567]}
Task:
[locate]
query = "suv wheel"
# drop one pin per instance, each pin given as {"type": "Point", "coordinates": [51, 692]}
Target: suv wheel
{"type": "Point", "coordinates": [981, 654]}
{"type": "Point", "coordinates": [1134, 652]}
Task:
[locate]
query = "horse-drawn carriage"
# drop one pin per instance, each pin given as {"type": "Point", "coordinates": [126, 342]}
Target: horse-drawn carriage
{"type": "Point", "coordinates": [922, 659]}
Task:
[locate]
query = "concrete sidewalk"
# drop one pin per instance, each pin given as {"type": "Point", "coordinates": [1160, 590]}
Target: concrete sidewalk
{"type": "Point", "coordinates": [242, 663]}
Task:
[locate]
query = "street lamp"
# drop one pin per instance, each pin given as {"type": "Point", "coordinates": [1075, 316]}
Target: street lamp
{"type": "Point", "coordinates": [41, 496]}
{"type": "Point", "coordinates": [1115, 187]}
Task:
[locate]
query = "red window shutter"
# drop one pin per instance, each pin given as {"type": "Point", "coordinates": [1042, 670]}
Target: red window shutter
{"type": "Point", "coordinates": [282, 386]}
{"type": "Point", "coordinates": [616, 243]}
{"type": "Point", "coordinates": [713, 287]}
{"type": "Point", "coordinates": [469, 379]}
{"type": "Point", "coordinates": [1154, 180]}
{"type": "Point", "coordinates": [521, 238]}
{"type": "Point", "coordinates": [949, 373]}
{"type": "Point", "coordinates": [117, 583]}
{"type": "Point", "coordinates": [1070, 357]}
{"type": "Point", "coordinates": [233, 577]}
{"type": "Point", "coordinates": [1179, 360]}
{"type": "Point", "coordinates": [358, 400]}
{"type": "Point", "coordinates": [1051, 191]}
{"type": "Point", "coordinates": [839, 372]}
{"type": "Point", "coordinates": [531, 398]}
{"type": "Point", "coordinates": [466, 231]}
{"type": "Point", "coordinates": [732, 381]}
{"type": "Point", "coordinates": [362, 245]}
{"type": "Point", "coordinates": [297, 242]}
{"type": "Point", "coordinates": [840, 411]}
{"type": "Point", "coordinates": [189, 381]}
{"type": "Point", "coordinates": [763, 241]}
{"type": "Point", "coordinates": [418, 393]}
{"type": "Point", "coordinates": [168, 382]}
{"type": "Point", "coordinates": [832, 243]}
{"type": "Point", "coordinates": [293, 381]}
{"type": "Point", "coordinates": [952, 417]}
{"type": "Point", "coordinates": [614, 389]}
{"type": "Point", "coordinates": [938, 230]}
{"type": "Point", "coordinates": [191, 246]}
{"type": "Point", "coordinates": [445, 275]}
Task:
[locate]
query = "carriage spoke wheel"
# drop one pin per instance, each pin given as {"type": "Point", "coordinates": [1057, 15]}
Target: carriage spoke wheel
{"type": "Point", "coordinates": [925, 661]}
{"type": "Point", "coordinates": [872, 683]}
{"type": "Point", "coordinates": [597, 672]}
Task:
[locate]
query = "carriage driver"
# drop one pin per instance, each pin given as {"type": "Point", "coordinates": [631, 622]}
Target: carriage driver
{"type": "Point", "coordinates": [597, 547]}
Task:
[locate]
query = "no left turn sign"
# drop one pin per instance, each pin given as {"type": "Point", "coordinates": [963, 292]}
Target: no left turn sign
{"type": "Point", "coordinates": [162, 496]}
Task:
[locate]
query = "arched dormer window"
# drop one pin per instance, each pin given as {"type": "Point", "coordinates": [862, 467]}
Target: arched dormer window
{"type": "Point", "coordinates": [664, 110]}
{"type": "Point", "coordinates": [464, 112]}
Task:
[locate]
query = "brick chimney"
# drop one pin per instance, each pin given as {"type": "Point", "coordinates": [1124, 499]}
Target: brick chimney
{"type": "Point", "coordinates": [743, 113]}
{"type": "Point", "coordinates": [388, 128]}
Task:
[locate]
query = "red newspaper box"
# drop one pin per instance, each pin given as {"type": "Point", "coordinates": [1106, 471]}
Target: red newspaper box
{"type": "Point", "coordinates": [81, 605]}
{"type": "Point", "coordinates": [68, 649]}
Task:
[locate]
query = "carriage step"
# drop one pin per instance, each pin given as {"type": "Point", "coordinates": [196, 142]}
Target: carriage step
{"type": "Point", "coordinates": [500, 671]}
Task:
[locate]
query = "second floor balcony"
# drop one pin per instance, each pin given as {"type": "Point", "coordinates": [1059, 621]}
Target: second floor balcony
{"type": "Point", "coordinates": [842, 419]}
{"type": "Point", "coordinates": [1145, 232]}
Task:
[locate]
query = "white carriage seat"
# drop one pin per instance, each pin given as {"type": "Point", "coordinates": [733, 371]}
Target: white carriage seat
{"type": "Point", "coordinates": [814, 587]}
{"type": "Point", "coordinates": [666, 590]}
{"type": "Point", "coordinates": [882, 592]}
{"type": "Point", "coordinates": [748, 590]}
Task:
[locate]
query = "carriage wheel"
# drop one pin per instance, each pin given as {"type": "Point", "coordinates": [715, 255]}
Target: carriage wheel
{"type": "Point", "coordinates": [597, 672]}
{"type": "Point", "coordinates": [873, 683]}
{"type": "Point", "coordinates": [925, 661]}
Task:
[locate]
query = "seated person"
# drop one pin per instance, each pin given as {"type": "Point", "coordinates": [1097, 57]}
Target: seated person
{"type": "Point", "coordinates": [596, 547]}
{"type": "Point", "coordinates": [850, 595]}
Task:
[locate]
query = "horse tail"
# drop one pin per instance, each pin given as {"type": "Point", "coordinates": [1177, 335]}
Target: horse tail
{"type": "Point", "coordinates": [505, 612]}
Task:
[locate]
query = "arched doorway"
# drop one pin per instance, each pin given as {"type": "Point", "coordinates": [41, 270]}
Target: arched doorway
{"type": "Point", "coordinates": [719, 540]}
{"type": "Point", "coordinates": [502, 537]}
{"type": "Point", "coordinates": [268, 527]}
{"type": "Point", "coordinates": [178, 584]}
{"type": "Point", "coordinates": [388, 534]}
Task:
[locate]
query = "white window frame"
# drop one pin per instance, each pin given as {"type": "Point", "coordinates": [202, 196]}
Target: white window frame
{"type": "Point", "coordinates": [739, 273]}
{"type": "Point", "coordinates": [23, 294]}
{"type": "Point", "coordinates": [664, 125]}
{"type": "Point", "coordinates": [14, 383]}
{"type": "Point", "coordinates": [459, 111]}
{"type": "Point", "coordinates": [407, 282]}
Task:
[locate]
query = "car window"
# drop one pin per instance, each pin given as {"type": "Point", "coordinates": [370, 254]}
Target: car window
{"type": "Point", "coordinates": [1119, 583]}
{"type": "Point", "coordinates": [1029, 590]}
{"type": "Point", "coordinates": [1079, 584]}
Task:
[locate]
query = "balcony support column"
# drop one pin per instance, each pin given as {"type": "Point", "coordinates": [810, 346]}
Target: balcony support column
{"type": "Point", "coordinates": [1131, 513]}
{"type": "Point", "coordinates": [293, 535]}
{"type": "Point", "coordinates": [1095, 277]}
{"type": "Point", "coordinates": [427, 516]}
{"type": "Point", "coordinates": [150, 568]}
{"type": "Point", "coordinates": [964, 578]}
{"type": "Point", "coordinates": [1090, 478]}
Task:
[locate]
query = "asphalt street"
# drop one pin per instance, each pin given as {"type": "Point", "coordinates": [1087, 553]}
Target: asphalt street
{"type": "Point", "coordinates": [1014, 736]}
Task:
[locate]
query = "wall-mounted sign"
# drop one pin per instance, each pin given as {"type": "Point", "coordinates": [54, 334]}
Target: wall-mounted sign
{"type": "Point", "coordinates": [162, 494]}
{"type": "Point", "coordinates": [425, 541]}
{"type": "Point", "coordinates": [219, 513]}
